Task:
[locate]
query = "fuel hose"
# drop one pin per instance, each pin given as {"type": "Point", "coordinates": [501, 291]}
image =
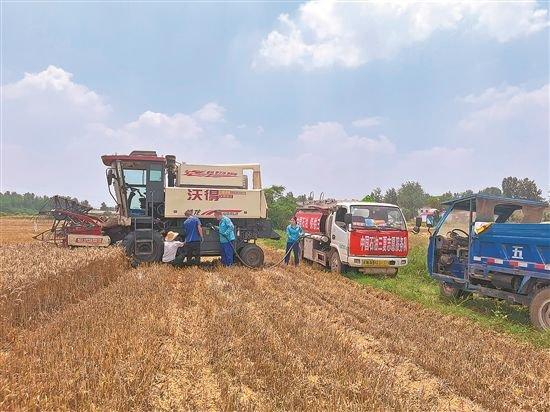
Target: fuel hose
{"type": "Point", "coordinates": [263, 267]}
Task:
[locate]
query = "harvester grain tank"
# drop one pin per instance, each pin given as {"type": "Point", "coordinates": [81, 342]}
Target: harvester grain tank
{"type": "Point", "coordinates": [369, 236]}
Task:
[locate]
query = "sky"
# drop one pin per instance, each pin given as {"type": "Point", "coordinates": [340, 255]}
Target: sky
{"type": "Point", "coordinates": [329, 97]}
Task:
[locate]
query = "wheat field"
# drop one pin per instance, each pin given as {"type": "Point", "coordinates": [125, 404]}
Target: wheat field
{"type": "Point", "coordinates": [81, 330]}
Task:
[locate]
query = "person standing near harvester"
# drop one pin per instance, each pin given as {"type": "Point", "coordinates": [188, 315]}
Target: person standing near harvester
{"type": "Point", "coordinates": [293, 233]}
{"type": "Point", "coordinates": [226, 230]}
{"type": "Point", "coordinates": [193, 238]}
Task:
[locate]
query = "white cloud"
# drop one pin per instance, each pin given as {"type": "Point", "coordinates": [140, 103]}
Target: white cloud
{"type": "Point", "coordinates": [329, 33]}
{"type": "Point", "coordinates": [260, 130]}
{"type": "Point", "coordinates": [325, 158]}
{"type": "Point", "coordinates": [59, 128]}
{"type": "Point", "coordinates": [210, 112]}
{"type": "Point", "coordinates": [501, 108]}
{"type": "Point", "coordinates": [160, 125]}
{"type": "Point", "coordinates": [56, 84]}
{"type": "Point", "coordinates": [367, 121]}
{"type": "Point", "coordinates": [324, 135]}
{"type": "Point", "coordinates": [508, 130]}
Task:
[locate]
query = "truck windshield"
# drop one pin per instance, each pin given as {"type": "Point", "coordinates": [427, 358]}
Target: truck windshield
{"type": "Point", "coordinates": [380, 217]}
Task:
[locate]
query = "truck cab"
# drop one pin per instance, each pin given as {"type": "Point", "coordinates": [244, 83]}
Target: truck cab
{"type": "Point", "coordinates": [496, 247]}
{"type": "Point", "coordinates": [371, 237]}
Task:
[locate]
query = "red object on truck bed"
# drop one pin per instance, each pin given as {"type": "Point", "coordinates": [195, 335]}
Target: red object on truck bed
{"type": "Point", "coordinates": [311, 220]}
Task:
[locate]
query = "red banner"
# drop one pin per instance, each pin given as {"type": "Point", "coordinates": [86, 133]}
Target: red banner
{"type": "Point", "coordinates": [379, 243]}
{"type": "Point", "coordinates": [309, 221]}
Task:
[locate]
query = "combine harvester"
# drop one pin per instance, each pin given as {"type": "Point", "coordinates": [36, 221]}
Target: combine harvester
{"type": "Point", "coordinates": [371, 237]}
{"type": "Point", "coordinates": [152, 194]}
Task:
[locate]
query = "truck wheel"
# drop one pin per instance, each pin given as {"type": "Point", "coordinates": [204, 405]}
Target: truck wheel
{"type": "Point", "coordinates": [539, 309]}
{"type": "Point", "coordinates": [252, 255]}
{"type": "Point", "coordinates": [336, 264]}
{"type": "Point", "coordinates": [451, 292]}
{"type": "Point", "coordinates": [142, 252]}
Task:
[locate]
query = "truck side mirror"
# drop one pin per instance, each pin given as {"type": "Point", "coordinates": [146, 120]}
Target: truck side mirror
{"type": "Point", "coordinates": [109, 177]}
{"type": "Point", "coordinates": [417, 224]}
{"type": "Point", "coordinates": [347, 218]}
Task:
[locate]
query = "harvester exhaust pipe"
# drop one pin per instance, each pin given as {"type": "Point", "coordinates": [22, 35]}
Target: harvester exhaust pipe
{"type": "Point", "coordinates": [171, 169]}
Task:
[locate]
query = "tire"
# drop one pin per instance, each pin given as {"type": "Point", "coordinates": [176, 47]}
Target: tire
{"type": "Point", "coordinates": [252, 255]}
{"type": "Point", "coordinates": [155, 255]}
{"type": "Point", "coordinates": [539, 309]}
{"type": "Point", "coordinates": [451, 292]}
{"type": "Point", "coordinates": [336, 264]}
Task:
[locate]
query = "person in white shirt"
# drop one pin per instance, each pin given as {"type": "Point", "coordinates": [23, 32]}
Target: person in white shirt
{"type": "Point", "coordinates": [171, 246]}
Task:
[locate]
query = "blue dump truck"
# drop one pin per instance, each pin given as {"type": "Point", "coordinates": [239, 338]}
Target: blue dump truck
{"type": "Point", "coordinates": [495, 247]}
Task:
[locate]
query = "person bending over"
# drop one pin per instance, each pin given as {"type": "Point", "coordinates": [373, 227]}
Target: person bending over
{"type": "Point", "coordinates": [171, 246]}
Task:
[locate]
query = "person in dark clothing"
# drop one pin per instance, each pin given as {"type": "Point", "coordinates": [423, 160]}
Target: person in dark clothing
{"type": "Point", "coordinates": [193, 238]}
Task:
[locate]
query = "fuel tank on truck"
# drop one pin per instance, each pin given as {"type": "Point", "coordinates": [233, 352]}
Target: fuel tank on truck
{"type": "Point", "coordinates": [313, 219]}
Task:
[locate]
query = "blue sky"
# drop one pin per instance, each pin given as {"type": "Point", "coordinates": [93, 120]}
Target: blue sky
{"type": "Point", "coordinates": [339, 98]}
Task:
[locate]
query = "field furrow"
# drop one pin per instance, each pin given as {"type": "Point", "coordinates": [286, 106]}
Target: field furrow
{"type": "Point", "coordinates": [212, 338]}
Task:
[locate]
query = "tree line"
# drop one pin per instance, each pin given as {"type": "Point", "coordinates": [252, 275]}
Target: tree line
{"type": "Point", "coordinates": [13, 203]}
{"type": "Point", "coordinates": [410, 196]}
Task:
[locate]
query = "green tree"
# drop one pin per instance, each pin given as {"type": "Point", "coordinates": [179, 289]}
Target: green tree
{"type": "Point", "coordinates": [436, 202]}
{"type": "Point", "coordinates": [390, 196]}
{"type": "Point", "coordinates": [468, 192]}
{"type": "Point", "coordinates": [377, 195]}
{"type": "Point", "coordinates": [411, 197]}
{"type": "Point", "coordinates": [281, 206]}
{"type": "Point", "coordinates": [374, 196]}
{"type": "Point", "coordinates": [104, 207]}
{"type": "Point", "coordinates": [15, 203]}
{"type": "Point", "coordinates": [521, 188]}
{"type": "Point", "coordinates": [491, 190]}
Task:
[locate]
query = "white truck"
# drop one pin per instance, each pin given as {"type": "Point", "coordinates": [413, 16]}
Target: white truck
{"type": "Point", "coordinates": [371, 237]}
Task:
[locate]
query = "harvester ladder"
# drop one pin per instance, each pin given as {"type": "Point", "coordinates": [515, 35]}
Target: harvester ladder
{"type": "Point", "coordinates": [149, 240]}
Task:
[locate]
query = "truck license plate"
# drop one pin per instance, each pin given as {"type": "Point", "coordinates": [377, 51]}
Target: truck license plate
{"type": "Point", "coordinates": [374, 262]}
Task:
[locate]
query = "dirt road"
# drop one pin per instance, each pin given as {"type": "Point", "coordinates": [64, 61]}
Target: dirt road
{"type": "Point", "coordinates": [284, 338]}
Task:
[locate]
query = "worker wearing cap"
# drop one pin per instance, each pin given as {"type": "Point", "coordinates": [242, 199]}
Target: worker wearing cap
{"type": "Point", "coordinates": [171, 246]}
{"type": "Point", "coordinates": [193, 238]}
{"type": "Point", "coordinates": [226, 230]}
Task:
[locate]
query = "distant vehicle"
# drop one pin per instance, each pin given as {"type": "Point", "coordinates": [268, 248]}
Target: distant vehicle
{"type": "Point", "coordinates": [496, 247]}
{"type": "Point", "coordinates": [427, 214]}
{"type": "Point", "coordinates": [369, 236]}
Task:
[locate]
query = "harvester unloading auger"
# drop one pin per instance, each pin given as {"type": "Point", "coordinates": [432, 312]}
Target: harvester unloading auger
{"type": "Point", "coordinates": [70, 219]}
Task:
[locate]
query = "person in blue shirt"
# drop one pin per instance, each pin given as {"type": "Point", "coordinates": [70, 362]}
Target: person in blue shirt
{"type": "Point", "coordinates": [293, 233]}
{"type": "Point", "coordinates": [193, 238]}
{"type": "Point", "coordinates": [226, 230]}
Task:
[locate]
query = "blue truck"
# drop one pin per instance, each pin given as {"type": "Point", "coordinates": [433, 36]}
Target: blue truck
{"type": "Point", "coordinates": [496, 247]}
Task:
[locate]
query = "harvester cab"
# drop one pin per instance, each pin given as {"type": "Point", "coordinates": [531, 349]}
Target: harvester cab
{"type": "Point", "coordinates": [137, 182]}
